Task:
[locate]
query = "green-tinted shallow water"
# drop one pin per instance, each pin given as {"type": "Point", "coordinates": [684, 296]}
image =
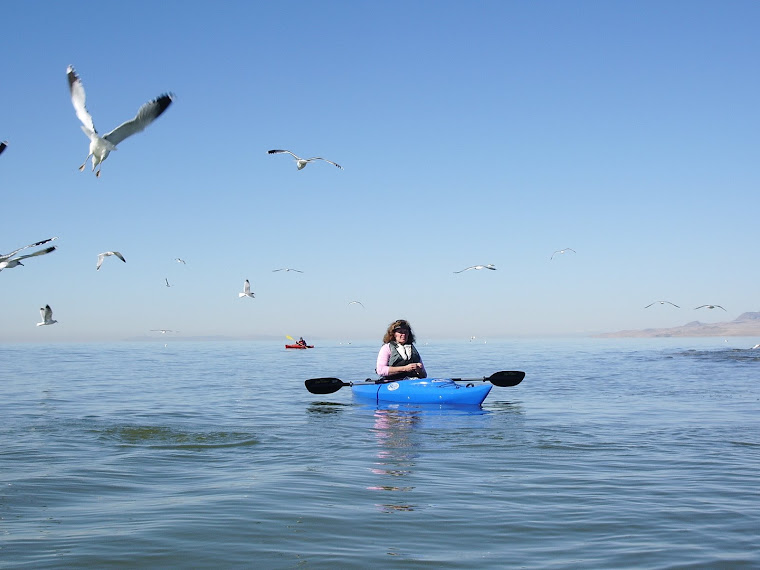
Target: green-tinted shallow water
{"type": "Point", "coordinates": [610, 454]}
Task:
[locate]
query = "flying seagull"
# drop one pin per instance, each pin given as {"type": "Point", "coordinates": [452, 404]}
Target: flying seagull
{"type": "Point", "coordinates": [356, 303]}
{"type": "Point", "coordinates": [7, 256]}
{"type": "Point", "coordinates": [7, 261]}
{"type": "Point", "coordinates": [182, 261]}
{"type": "Point", "coordinates": [100, 147]}
{"type": "Point", "coordinates": [246, 290]}
{"type": "Point", "coordinates": [709, 307]}
{"type": "Point", "coordinates": [105, 254]}
{"type": "Point", "coordinates": [287, 269]}
{"type": "Point", "coordinates": [490, 266]}
{"type": "Point", "coordinates": [302, 162]}
{"type": "Point", "coordinates": [162, 331]}
{"type": "Point", "coordinates": [47, 316]}
{"type": "Point", "coordinates": [3, 144]}
{"type": "Point", "coordinates": [167, 282]}
{"type": "Point", "coordinates": [561, 251]}
{"type": "Point", "coordinates": [662, 303]}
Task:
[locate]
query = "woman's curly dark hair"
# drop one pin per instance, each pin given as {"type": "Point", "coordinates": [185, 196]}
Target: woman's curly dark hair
{"type": "Point", "coordinates": [399, 324]}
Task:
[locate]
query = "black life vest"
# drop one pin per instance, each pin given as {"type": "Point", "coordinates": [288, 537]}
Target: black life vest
{"type": "Point", "coordinates": [397, 359]}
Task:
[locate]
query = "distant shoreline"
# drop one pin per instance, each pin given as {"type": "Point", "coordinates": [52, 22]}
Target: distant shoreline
{"type": "Point", "coordinates": [746, 324]}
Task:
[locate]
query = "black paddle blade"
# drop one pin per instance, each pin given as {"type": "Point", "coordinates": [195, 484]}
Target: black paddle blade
{"type": "Point", "coordinates": [325, 385]}
{"type": "Point", "coordinates": [506, 378]}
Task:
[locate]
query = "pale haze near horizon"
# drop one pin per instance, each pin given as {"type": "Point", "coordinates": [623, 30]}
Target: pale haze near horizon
{"type": "Point", "coordinates": [488, 132]}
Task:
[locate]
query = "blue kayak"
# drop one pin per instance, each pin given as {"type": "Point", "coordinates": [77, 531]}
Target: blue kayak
{"type": "Point", "coordinates": [422, 391]}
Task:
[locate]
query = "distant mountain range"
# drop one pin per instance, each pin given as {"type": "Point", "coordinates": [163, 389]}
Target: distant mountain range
{"type": "Point", "coordinates": [746, 324]}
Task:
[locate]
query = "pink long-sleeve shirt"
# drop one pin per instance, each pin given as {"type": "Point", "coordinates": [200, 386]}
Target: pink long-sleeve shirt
{"type": "Point", "coordinates": [381, 367]}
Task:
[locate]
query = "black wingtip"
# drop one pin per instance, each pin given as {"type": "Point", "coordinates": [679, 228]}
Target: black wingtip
{"type": "Point", "coordinates": [163, 101]}
{"type": "Point", "coordinates": [72, 76]}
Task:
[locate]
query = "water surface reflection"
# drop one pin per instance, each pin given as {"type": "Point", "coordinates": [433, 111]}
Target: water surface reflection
{"type": "Point", "coordinates": [394, 431]}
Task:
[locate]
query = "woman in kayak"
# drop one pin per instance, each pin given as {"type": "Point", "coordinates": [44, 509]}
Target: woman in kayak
{"type": "Point", "coordinates": [398, 358]}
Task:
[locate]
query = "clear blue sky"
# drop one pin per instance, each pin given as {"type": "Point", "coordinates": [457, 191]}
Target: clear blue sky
{"type": "Point", "coordinates": [470, 133]}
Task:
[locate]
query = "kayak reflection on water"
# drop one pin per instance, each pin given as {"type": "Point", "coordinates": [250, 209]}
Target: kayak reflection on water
{"type": "Point", "coordinates": [396, 454]}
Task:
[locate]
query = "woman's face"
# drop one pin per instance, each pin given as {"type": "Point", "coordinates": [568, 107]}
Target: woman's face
{"type": "Point", "coordinates": [401, 334]}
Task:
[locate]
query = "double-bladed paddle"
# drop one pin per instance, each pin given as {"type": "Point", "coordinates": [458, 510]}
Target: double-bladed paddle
{"type": "Point", "coordinates": [503, 379]}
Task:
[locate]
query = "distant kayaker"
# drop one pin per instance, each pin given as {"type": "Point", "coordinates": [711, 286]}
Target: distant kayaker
{"type": "Point", "coordinates": [398, 358]}
{"type": "Point", "coordinates": [301, 341]}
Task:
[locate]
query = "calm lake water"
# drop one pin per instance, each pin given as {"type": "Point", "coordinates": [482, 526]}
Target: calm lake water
{"type": "Point", "coordinates": [611, 454]}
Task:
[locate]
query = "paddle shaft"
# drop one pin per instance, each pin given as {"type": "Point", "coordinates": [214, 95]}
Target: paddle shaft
{"type": "Point", "coordinates": [502, 379]}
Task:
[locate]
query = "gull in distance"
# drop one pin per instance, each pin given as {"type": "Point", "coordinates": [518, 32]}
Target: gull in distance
{"type": "Point", "coordinates": [3, 144]}
{"type": "Point", "coordinates": [490, 266]}
{"type": "Point", "coordinates": [662, 303]}
{"type": "Point", "coordinates": [561, 251]}
{"type": "Point", "coordinates": [709, 307]}
{"type": "Point", "coordinates": [247, 290]}
{"type": "Point", "coordinates": [105, 254]}
{"type": "Point", "coordinates": [287, 269]}
{"type": "Point", "coordinates": [357, 303]}
{"type": "Point", "coordinates": [178, 260]}
{"type": "Point", "coordinates": [302, 162]}
{"type": "Point", "coordinates": [100, 147]}
{"type": "Point", "coordinates": [47, 316]}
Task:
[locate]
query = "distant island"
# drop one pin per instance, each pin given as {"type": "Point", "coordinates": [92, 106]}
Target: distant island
{"type": "Point", "coordinates": [746, 324]}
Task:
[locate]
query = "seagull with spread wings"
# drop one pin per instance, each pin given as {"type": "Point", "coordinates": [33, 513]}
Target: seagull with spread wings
{"type": "Point", "coordinates": [8, 260]}
{"type": "Point", "coordinates": [561, 251]}
{"type": "Point", "coordinates": [105, 254]}
{"type": "Point", "coordinates": [287, 269]}
{"type": "Point", "coordinates": [490, 266]}
{"type": "Point", "coordinates": [302, 162]}
{"type": "Point", "coordinates": [100, 147]}
{"type": "Point", "coordinates": [47, 316]}
{"type": "Point", "coordinates": [3, 144]}
{"type": "Point", "coordinates": [247, 290]}
{"type": "Point", "coordinates": [709, 307]}
{"type": "Point", "coordinates": [662, 303]}
{"type": "Point", "coordinates": [357, 303]}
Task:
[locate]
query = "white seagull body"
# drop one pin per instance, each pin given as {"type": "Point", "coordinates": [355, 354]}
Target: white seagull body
{"type": "Point", "coordinates": [561, 251]}
{"type": "Point", "coordinates": [490, 266]}
{"type": "Point", "coordinates": [709, 307]}
{"type": "Point", "coordinates": [47, 316]}
{"type": "Point", "coordinates": [662, 303]}
{"type": "Point", "coordinates": [182, 261]}
{"type": "Point", "coordinates": [3, 144]}
{"type": "Point", "coordinates": [302, 162]}
{"type": "Point", "coordinates": [356, 303]}
{"type": "Point", "coordinates": [247, 290]}
{"type": "Point", "coordinates": [100, 147]}
{"type": "Point", "coordinates": [287, 269]}
{"type": "Point", "coordinates": [162, 331]}
{"type": "Point", "coordinates": [105, 254]}
{"type": "Point", "coordinates": [8, 260]}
